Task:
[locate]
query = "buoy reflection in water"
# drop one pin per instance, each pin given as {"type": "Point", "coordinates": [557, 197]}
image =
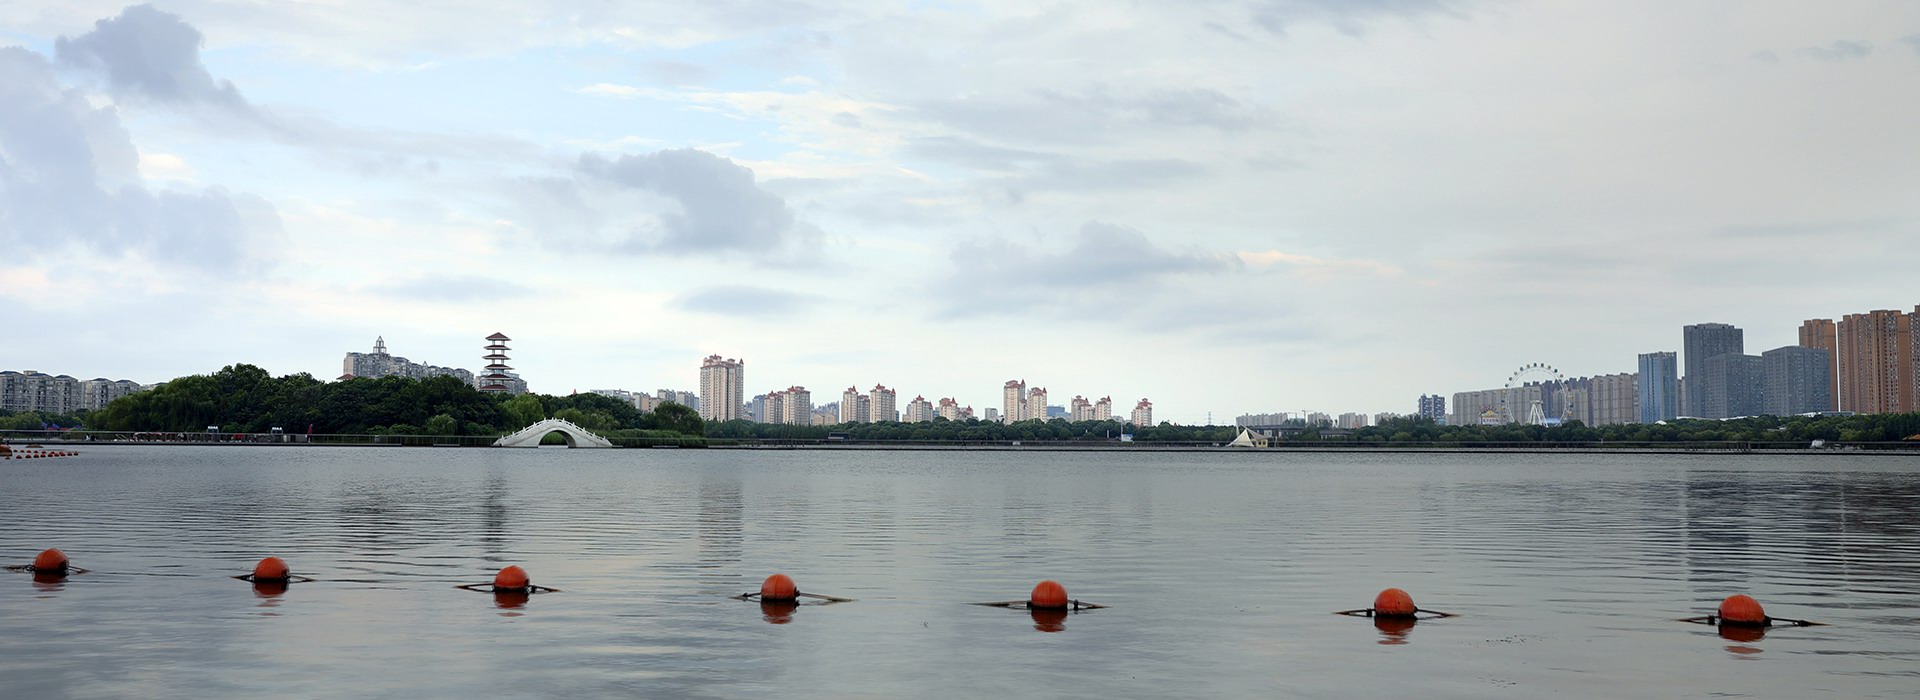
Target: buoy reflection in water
{"type": "Point", "coordinates": [778, 612]}
{"type": "Point", "coordinates": [269, 589]}
{"type": "Point", "coordinates": [1049, 619]}
{"type": "Point", "coordinates": [511, 599]}
{"type": "Point", "coordinates": [1394, 630]}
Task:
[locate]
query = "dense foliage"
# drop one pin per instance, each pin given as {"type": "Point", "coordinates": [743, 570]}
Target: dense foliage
{"type": "Point", "coordinates": [245, 399]}
{"type": "Point", "coordinates": [34, 420]}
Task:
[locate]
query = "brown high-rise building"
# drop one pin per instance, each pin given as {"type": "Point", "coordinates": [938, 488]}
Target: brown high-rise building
{"type": "Point", "coordinates": [1876, 352]}
{"type": "Point", "coordinates": [1820, 333]}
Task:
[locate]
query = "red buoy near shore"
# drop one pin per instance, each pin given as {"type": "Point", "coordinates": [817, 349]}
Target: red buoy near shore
{"type": "Point", "coordinates": [779, 587]}
{"type": "Point", "coordinates": [1394, 602]}
{"type": "Point", "coordinates": [1742, 609]}
{"type": "Point", "coordinates": [51, 561]}
{"type": "Point", "coordinates": [511, 578]}
{"type": "Point", "coordinates": [271, 569]}
{"type": "Point", "coordinates": [1048, 594]}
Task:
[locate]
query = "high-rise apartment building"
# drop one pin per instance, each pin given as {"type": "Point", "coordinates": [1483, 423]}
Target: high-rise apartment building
{"type": "Point", "coordinates": [919, 410]}
{"type": "Point", "coordinates": [1013, 401]}
{"type": "Point", "coordinates": [1079, 409]}
{"type": "Point", "coordinates": [1822, 333]}
{"type": "Point", "coordinates": [1433, 408]}
{"type": "Point", "coordinates": [1877, 362]}
{"type": "Point", "coordinates": [880, 407]}
{"type": "Point", "coordinates": [949, 409]}
{"type": "Point", "coordinates": [798, 406]}
{"type": "Point", "coordinates": [1036, 408]}
{"type": "Point", "coordinates": [1704, 341]}
{"type": "Point", "coordinates": [775, 411]}
{"type": "Point", "coordinates": [1103, 409]}
{"type": "Point", "coordinates": [1730, 386]}
{"type": "Point", "coordinates": [1143, 413]}
{"type": "Point", "coordinates": [1658, 387]}
{"type": "Point", "coordinates": [45, 393]}
{"type": "Point", "coordinates": [1608, 399]}
{"type": "Point", "coordinates": [722, 388]}
{"type": "Point", "coordinates": [1352, 421]}
{"type": "Point", "coordinates": [850, 406]}
{"type": "Point", "coordinates": [1494, 406]}
{"type": "Point", "coordinates": [1796, 381]}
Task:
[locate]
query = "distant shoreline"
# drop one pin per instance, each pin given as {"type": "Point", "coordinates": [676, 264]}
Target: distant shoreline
{"type": "Point", "coordinates": [1892, 451]}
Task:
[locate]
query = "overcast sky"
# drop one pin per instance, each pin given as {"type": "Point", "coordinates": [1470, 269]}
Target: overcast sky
{"type": "Point", "coordinates": [1232, 207]}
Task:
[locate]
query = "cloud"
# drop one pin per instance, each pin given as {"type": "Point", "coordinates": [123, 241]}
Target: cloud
{"type": "Point", "coordinates": [1313, 265]}
{"type": "Point", "coordinates": [720, 208]}
{"type": "Point", "coordinates": [452, 289]}
{"type": "Point", "coordinates": [1102, 261]}
{"type": "Point", "coordinates": [70, 176]}
{"type": "Point", "coordinates": [678, 202]}
{"type": "Point", "coordinates": [151, 54]}
{"type": "Point", "coordinates": [1912, 41]}
{"type": "Point", "coordinates": [747, 301]}
{"type": "Point", "coordinates": [1348, 16]}
{"type": "Point", "coordinates": [1841, 50]}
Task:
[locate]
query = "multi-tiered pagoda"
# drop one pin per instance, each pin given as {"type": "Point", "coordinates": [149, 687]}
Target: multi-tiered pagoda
{"type": "Point", "coordinates": [494, 377]}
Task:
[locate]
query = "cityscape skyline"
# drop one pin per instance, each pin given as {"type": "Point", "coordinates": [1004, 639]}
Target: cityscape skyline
{"type": "Point", "coordinates": [1230, 208]}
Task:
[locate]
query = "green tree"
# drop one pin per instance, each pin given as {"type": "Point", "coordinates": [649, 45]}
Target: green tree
{"type": "Point", "coordinates": [442, 424]}
{"type": "Point", "coordinates": [523, 410]}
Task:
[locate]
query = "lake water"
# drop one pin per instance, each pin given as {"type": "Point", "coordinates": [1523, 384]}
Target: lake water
{"type": "Point", "coordinates": [1568, 572]}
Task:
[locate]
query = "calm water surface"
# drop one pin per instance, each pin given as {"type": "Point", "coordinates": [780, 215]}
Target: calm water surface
{"type": "Point", "coordinates": [1568, 571]}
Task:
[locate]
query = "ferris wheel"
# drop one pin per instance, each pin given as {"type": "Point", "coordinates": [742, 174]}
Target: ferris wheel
{"type": "Point", "coordinates": [1532, 373]}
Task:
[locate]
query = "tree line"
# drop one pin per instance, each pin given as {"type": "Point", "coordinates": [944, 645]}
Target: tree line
{"type": "Point", "coordinates": [246, 399]}
{"type": "Point", "coordinates": [974, 430]}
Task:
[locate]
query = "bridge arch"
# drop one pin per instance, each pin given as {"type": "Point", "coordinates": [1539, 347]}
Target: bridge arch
{"type": "Point", "coordinates": [531, 435]}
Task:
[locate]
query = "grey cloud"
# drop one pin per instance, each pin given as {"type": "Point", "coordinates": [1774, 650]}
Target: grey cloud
{"type": "Point", "coordinates": [1912, 41]}
{"type": "Point", "coordinates": [1841, 50]}
{"type": "Point", "coordinates": [149, 53]}
{"type": "Point", "coordinates": [452, 288]}
{"type": "Point", "coordinates": [748, 301]}
{"type": "Point", "coordinates": [69, 174]}
{"type": "Point", "coordinates": [1821, 229]}
{"type": "Point", "coordinates": [1101, 260]}
{"type": "Point", "coordinates": [1765, 56]}
{"type": "Point", "coordinates": [1028, 170]}
{"type": "Point", "coordinates": [1349, 16]}
{"type": "Point", "coordinates": [720, 207]}
{"type": "Point", "coordinates": [1097, 114]}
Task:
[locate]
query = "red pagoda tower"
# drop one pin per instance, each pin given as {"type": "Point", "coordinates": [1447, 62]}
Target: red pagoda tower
{"type": "Point", "coordinates": [494, 377]}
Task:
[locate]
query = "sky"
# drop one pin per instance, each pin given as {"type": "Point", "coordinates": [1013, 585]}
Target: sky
{"type": "Point", "coordinates": [1225, 207]}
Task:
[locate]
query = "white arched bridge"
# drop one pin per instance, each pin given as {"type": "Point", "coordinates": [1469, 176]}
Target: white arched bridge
{"type": "Point", "coordinates": [531, 435]}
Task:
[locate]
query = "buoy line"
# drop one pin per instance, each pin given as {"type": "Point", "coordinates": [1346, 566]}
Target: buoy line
{"type": "Point", "coordinates": [1396, 603]}
{"type": "Point", "coordinates": [1047, 595]}
{"type": "Point", "coordinates": [51, 562]}
{"type": "Point", "coordinates": [1741, 610]}
{"type": "Point", "coordinates": [272, 570]}
{"type": "Point", "coordinates": [779, 588]}
{"type": "Point", "coordinates": [511, 579]}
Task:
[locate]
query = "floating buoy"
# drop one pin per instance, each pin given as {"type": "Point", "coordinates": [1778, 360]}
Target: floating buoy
{"type": "Point", "coordinates": [271, 569]}
{"type": "Point", "coordinates": [779, 587]}
{"type": "Point", "coordinates": [778, 612]}
{"type": "Point", "coordinates": [1742, 609]}
{"type": "Point", "coordinates": [51, 561]}
{"type": "Point", "coordinates": [1394, 602]}
{"type": "Point", "coordinates": [511, 578]}
{"type": "Point", "coordinates": [1048, 594]}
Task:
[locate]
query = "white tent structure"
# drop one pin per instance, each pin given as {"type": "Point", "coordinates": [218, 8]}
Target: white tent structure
{"type": "Point", "coordinates": [1248, 439]}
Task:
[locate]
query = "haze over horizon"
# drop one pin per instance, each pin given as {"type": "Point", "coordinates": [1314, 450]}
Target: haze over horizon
{"type": "Point", "coordinates": [1222, 206]}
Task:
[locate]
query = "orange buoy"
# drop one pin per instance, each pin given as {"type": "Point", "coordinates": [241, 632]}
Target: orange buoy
{"type": "Point", "coordinates": [1742, 609]}
{"type": "Point", "coordinates": [1048, 594]}
{"type": "Point", "coordinates": [779, 587]}
{"type": "Point", "coordinates": [1394, 602]}
{"type": "Point", "coordinates": [512, 578]}
{"type": "Point", "coordinates": [271, 569]}
{"type": "Point", "coordinates": [51, 561]}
